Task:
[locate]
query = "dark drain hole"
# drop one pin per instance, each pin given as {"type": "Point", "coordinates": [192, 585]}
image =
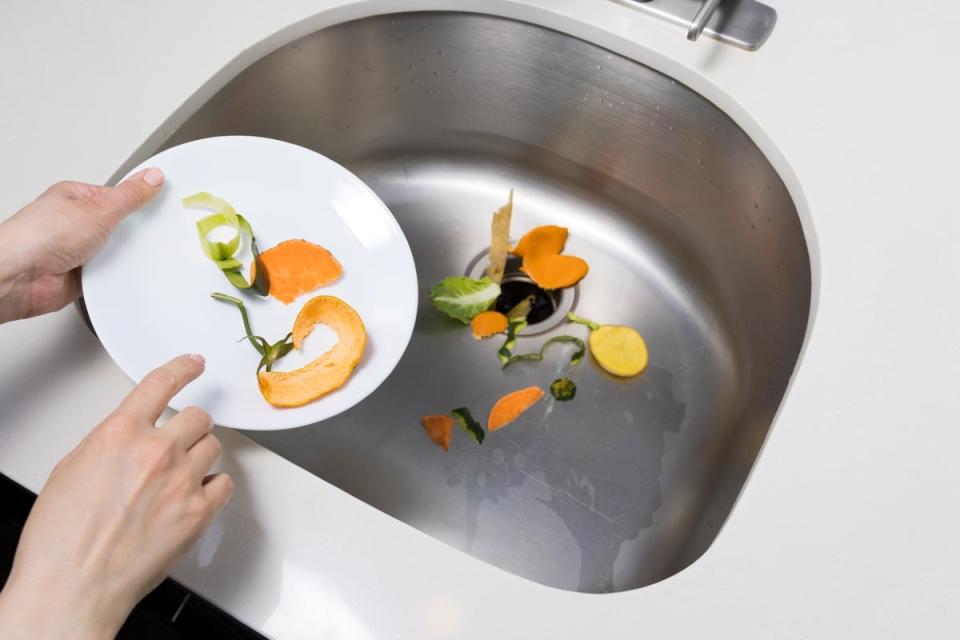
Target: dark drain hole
{"type": "Point", "coordinates": [513, 292]}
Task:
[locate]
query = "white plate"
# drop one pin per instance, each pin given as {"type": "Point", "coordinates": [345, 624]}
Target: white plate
{"type": "Point", "coordinates": [148, 291]}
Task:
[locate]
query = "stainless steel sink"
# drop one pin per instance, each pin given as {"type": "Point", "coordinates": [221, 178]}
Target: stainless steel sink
{"type": "Point", "coordinates": [691, 237]}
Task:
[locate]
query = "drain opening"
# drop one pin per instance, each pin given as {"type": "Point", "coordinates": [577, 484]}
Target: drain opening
{"type": "Point", "coordinates": [516, 289]}
{"type": "Point", "coordinates": [549, 308]}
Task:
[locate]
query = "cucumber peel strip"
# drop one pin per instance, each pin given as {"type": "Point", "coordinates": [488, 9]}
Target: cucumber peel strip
{"type": "Point", "coordinates": [514, 327]}
{"type": "Point", "coordinates": [468, 423]}
{"type": "Point", "coordinates": [222, 253]}
{"type": "Point", "coordinates": [575, 359]}
{"type": "Point", "coordinates": [269, 353]}
{"type": "Point", "coordinates": [590, 324]}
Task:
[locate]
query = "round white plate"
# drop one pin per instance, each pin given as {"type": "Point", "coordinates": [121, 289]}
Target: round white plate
{"type": "Point", "coordinates": [148, 291]}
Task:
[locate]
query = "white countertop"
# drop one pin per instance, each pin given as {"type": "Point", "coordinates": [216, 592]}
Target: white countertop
{"type": "Point", "coordinates": [848, 525]}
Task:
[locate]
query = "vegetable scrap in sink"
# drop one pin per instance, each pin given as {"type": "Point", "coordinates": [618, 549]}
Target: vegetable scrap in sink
{"type": "Point", "coordinates": [500, 241]}
{"type": "Point", "coordinates": [439, 428]}
{"type": "Point", "coordinates": [488, 323]}
{"type": "Point", "coordinates": [511, 406]}
{"type": "Point", "coordinates": [618, 350]}
{"type": "Point", "coordinates": [563, 389]}
{"type": "Point", "coordinates": [541, 250]}
{"type": "Point", "coordinates": [462, 298]}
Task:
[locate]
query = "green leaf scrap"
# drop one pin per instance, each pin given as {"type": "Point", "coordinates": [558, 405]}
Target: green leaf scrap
{"type": "Point", "coordinates": [462, 298]}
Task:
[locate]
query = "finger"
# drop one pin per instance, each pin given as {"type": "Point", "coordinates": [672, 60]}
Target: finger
{"type": "Point", "coordinates": [149, 398]}
{"type": "Point", "coordinates": [188, 427]}
{"type": "Point", "coordinates": [131, 194]}
{"type": "Point", "coordinates": [204, 454]}
{"type": "Point", "coordinates": [217, 489]}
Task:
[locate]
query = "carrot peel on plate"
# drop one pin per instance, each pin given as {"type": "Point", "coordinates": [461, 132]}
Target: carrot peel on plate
{"type": "Point", "coordinates": [297, 267]}
{"type": "Point", "coordinates": [328, 372]}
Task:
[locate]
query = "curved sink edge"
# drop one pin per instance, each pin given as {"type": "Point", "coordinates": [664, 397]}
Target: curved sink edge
{"type": "Point", "coordinates": [615, 42]}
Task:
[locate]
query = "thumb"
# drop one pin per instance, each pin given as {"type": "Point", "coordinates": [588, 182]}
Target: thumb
{"type": "Point", "coordinates": [131, 194]}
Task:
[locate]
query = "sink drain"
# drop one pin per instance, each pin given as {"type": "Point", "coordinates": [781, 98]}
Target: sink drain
{"type": "Point", "coordinates": [549, 307]}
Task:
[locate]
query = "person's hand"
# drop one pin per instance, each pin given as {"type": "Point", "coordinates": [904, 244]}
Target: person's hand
{"type": "Point", "coordinates": [46, 242]}
{"type": "Point", "coordinates": [115, 515]}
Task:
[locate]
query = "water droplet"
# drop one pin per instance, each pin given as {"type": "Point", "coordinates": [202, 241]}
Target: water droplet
{"type": "Point", "coordinates": [439, 53]}
{"type": "Point", "coordinates": [659, 109]}
{"type": "Point", "coordinates": [436, 73]}
{"type": "Point", "coordinates": [672, 128]}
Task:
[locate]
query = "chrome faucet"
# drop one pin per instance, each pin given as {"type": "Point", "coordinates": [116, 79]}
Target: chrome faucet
{"type": "Point", "coordinates": [743, 23]}
{"type": "Point", "coordinates": [701, 19]}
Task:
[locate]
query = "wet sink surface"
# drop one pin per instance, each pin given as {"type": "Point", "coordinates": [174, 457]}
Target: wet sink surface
{"type": "Point", "coordinates": [690, 235]}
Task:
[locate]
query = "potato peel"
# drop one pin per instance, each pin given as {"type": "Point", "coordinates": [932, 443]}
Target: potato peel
{"type": "Point", "coordinates": [500, 241]}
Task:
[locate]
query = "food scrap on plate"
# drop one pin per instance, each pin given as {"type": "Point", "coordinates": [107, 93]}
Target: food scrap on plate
{"type": "Point", "coordinates": [288, 270]}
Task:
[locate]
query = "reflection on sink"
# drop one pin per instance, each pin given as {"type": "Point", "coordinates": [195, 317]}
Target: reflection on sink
{"type": "Point", "coordinates": [691, 237]}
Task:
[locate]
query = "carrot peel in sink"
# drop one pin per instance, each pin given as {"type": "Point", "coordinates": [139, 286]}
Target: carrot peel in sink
{"type": "Point", "coordinates": [488, 323]}
{"type": "Point", "coordinates": [223, 254]}
{"type": "Point", "coordinates": [439, 429]}
{"type": "Point", "coordinates": [541, 249]}
{"type": "Point", "coordinates": [549, 239]}
{"type": "Point", "coordinates": [512, 406]}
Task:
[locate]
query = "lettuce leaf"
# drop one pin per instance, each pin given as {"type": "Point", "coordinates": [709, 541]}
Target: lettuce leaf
{"type": "Point", "coordinates": [462, 298]}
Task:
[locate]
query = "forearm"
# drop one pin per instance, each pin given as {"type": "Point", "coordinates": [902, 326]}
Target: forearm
{"type": "Point", "coordinates": [14, 287]}
{"type": "Point", "coordinates": [44, 616]}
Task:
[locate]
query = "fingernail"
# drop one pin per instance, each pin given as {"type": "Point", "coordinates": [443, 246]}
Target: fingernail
{"type": "Point", "coordinates": [153, 177]}
{"type": "Point", "coordinates": [199, 359]}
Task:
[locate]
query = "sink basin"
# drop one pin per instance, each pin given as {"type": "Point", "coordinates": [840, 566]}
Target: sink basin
{"type": "Point", "coordinates": [691, 237]}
